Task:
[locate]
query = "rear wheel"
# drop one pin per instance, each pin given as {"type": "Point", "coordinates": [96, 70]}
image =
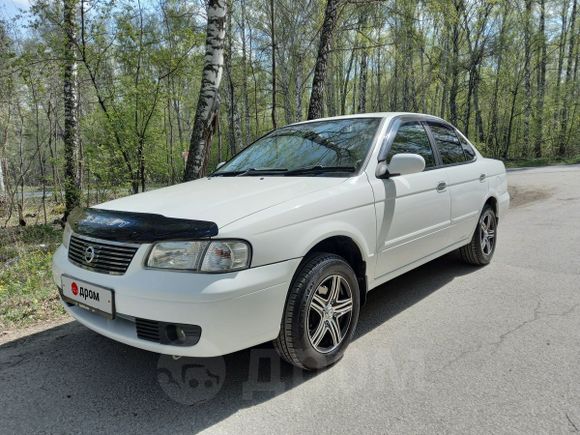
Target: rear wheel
{"type": "Point", "coordinates": [321, 313]}
{"type": "Point", "coordinates": [480, 249]}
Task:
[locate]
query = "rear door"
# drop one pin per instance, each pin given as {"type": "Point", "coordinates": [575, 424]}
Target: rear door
{"type": "Point", "coordinates": [466, 182]}
{"type": "Point", "coordinates": [413, 211]}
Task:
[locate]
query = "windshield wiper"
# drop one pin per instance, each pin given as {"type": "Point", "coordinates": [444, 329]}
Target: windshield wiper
{"type": "Point", "coordinates": [262, 171]}
{"type": "Point", "coordinates": [319, 169]}
{"type": "Point", "coordinates": [250, 171]}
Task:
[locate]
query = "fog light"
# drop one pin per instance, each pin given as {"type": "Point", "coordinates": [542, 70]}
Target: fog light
{"type": "Point", "coordinates": [181, 335]}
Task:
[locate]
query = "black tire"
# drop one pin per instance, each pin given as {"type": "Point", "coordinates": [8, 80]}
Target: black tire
{"type": "Point", "coordinates": [302, 317]}
{"type": "Point", "coordinates": [478, 252]}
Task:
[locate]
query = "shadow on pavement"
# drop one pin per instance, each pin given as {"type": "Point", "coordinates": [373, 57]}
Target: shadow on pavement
{"type": "Point", "coordinates": [69, 377]}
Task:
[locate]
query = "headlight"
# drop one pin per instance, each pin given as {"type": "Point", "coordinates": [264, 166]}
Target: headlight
{"type": "Point", "coordinates": [66, 235]}
{"type": "Point", "coordinates": [226, 255]}
{"type": "Point", "coordinates": [204, 256]}
{"type": "Point", "coordinates": [176, 255]}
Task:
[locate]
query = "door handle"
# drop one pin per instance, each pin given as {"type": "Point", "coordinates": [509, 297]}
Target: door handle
{"type": "Point", "coordinates": [441, 186]}
{"type": "Point", "coordinates": [482, 177]}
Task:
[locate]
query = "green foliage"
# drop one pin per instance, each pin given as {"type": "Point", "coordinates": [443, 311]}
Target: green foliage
{"type": "Point", "coordinates": [140, 63]}
{"type": "Point", "coordinates": [544, 161]}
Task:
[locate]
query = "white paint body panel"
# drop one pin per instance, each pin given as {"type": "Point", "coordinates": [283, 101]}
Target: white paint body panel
{"type": "Point", "coordinates": [397, 224]}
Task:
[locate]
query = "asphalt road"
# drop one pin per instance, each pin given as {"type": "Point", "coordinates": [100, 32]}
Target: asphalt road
{"type": "Point", "coordinates": [447, 348]}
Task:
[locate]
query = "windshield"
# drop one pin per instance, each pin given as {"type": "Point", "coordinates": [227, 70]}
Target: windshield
{"type": "Point", "coordinates": [332, 147]}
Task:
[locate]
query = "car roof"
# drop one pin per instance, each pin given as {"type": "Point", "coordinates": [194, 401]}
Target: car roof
{"type": "Point", "coordinates": [383, 115]}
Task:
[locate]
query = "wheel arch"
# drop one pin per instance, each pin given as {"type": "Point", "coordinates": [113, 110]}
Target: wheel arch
{"type": "Point", "coordinates": [347, 248]}
{"type": "Point", "coordinates": [492, 201]}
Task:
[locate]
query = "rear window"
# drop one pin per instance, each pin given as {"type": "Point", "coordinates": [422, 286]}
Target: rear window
{"type": "Point", "coordinates": [450, 148]}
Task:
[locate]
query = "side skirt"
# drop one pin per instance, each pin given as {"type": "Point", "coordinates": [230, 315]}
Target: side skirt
{"type": "Point", "coordinates": [395, 273]}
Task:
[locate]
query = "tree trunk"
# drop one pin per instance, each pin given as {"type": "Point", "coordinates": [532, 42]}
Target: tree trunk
{"type": "Point", "coordinates": [379, 84]}
{"type": "Point", "coordinates": [234, 128]}
{"type": "Point", "coordinates": [444, 71]}
{"type": "Point", "coordinates": [315, 108]}
{"type": "Point", "coordinates": [568, 84]}
{"type": "Point", "coordinates": [72, 170]}
{"type": "Point", "coordinates": [331, 92]}
{"type": "Point", "coordinates": [508, 133]}
{"type": "Point", "coordinates": [527, 77]}
{"type": "Point", "coordinates": [2, 185]}
{"type": "Point", "coordinates": [247, 125]}
{"type": "Point", "coordinates": [363, 65]}
{"type": "Point", "coordinates": [298, 90]}
{"type": "Point", "coordinates": [561, 52]}
{"type": "Point", "coordinates": [362, 84]}
{"type": "Point", "coordinates": [345, 85]}
{"type": "Point", "coordinates": [454, 67]}
{"type": "Point", "coordinates": [541, 84]}
{"type": "Point", "coordinates": [477, 108]}
{"type": "Point", "coordinates": [273, 29]}
{"type": "Point", "coordinates": [493, 126]}
{"type": "Point", "coordinates": [208, 101]}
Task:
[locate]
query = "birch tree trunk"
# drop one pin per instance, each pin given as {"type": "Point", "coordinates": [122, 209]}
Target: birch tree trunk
{"type": "Point", "coordinates": [208, 101]}
{"type": "Point", "coordinates": [315, 108]}
{"type": "Point", "coordinates": [2, 186]}
{"type": "Point", "coordinates": [72, 170]}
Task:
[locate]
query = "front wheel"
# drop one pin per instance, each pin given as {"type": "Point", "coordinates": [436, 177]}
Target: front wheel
{"type": "Point", "coordinates": [321, 313]}
{"type": "Point", "coordinates": [480, 249]}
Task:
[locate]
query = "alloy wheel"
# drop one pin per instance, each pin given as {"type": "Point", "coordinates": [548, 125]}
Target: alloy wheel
{"type": "Point", "coordinates": [487, 227]}
{"type": "Point", "coordinates": [329, 313]}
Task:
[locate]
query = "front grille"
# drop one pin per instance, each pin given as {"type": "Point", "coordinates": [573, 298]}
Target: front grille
{"type": "Point", "coordinates": [101, 255]}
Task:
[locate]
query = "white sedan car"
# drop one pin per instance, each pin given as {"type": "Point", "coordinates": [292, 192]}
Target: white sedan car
{"type": "Point", "coordinates": [284, 241]}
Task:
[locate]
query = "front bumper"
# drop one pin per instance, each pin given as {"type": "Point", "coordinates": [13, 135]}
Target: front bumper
{"type": "Point", "coordinates": [234, 310]}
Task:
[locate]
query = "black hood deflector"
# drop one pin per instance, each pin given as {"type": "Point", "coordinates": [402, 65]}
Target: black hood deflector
{"type": "Point", "coordinates": [124, 226]}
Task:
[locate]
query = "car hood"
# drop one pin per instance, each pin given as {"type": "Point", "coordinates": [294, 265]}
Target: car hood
{"type": "Point", "coordinates": [222, 200]}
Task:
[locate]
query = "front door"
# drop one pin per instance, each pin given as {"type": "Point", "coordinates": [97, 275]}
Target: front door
{"type": "Point", "coordinates": [413, 211]}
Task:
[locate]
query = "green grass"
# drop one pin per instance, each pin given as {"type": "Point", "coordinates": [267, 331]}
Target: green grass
{"type": "Point", "coordinates": [544, 161]}
{"type": "Point", "coordinates": [27, 293]}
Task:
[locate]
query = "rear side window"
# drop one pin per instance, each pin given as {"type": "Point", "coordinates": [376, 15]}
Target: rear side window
{"type": "Point", "coordinates": [450, 148]}
{"type": "Point", "coordinates": [412, 138]}
{"type": "Point", "coordinates": [467, 148]}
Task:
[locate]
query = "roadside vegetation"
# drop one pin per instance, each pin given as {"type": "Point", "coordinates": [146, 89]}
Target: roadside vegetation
{"type": "Point", "coordinates": [27, 293]}
{"type": "Point", "coordinates": [544, 161]}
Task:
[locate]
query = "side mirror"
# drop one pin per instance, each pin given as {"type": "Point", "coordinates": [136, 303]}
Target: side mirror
{"type": "Point", "coordinates": [219, 165]}
{"type": "Point", "coordinates": [401, 164]}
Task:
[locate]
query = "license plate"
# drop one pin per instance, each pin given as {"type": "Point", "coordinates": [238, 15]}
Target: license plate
{"type": "Point", "coordinates": [89, 296]}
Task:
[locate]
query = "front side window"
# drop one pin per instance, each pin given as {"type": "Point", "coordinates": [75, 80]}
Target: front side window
{"type": "Point", "coordinates": [412, 138]}
{"type": "Point", "coordinates": [323, 144]}
{"type": "Point", "coordinates": [448, 144]}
